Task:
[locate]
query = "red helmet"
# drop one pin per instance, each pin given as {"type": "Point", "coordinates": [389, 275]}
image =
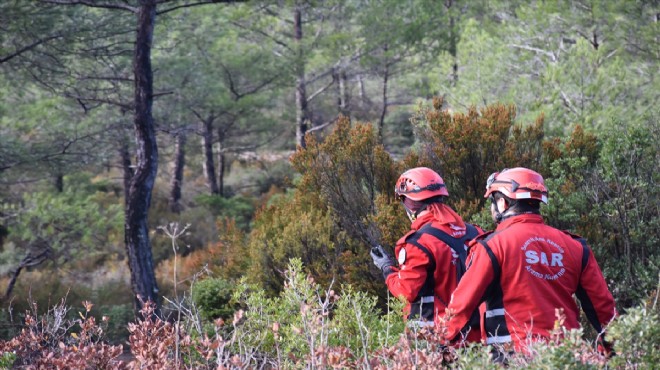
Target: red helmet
{"type": "Point", "coordinates": [420, 183]}
{"type": "Point", "coordinates": [517, 183]}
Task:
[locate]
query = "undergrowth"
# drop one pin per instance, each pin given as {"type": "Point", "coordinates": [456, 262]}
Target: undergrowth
{"type": "Point", "coordinates": [306, 327]}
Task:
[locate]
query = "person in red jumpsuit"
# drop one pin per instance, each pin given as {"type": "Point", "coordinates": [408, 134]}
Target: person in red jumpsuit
{"type": "Point", "coordinates": [525, 270]}
{"type": "Point", "coordinates": [428, 268]}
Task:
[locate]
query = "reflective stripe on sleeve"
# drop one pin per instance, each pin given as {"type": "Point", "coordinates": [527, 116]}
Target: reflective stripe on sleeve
{"type": "Point", "coordinates": [426, 299]}
{"type": "Point", "coordinates": [495, 312]}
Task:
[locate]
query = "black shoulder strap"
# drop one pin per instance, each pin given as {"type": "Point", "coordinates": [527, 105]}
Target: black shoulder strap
{"type": "Point", "coordinates": [585, 247]}
{"type": "Point", "coordinates": [457, 244]}
{"type": "Point", "coordinates": [413, 239]}
{"type": "Point", "coordinates": [497, 269]}
{"type": "Point", "coordinates": [581, 293]}
{"type": "Point", "coordinates": [585, 252]}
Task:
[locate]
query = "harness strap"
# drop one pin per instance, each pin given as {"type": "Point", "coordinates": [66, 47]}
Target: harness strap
{"type": "Point", "coordinates": [585, 301]}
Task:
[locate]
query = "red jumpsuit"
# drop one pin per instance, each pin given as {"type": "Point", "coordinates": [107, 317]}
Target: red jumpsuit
{"type": "Point", "coordinates": [428, 296]}
{"type": "Point", "coordinates": [524, 270]}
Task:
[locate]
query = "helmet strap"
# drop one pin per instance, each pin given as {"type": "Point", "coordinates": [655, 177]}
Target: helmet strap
{"type": "Point", "coordinates": [501, 216]}
{"type": "Point", "coordinates": [412, 215]}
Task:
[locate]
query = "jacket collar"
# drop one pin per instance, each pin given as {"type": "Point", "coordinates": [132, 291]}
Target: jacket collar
{"type": "Point", "coordinates": [529, 218]}
{"type": "Point", "coordinates": [421, 221]}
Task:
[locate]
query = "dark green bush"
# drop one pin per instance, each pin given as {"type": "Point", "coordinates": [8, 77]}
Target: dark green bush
{"type": "Point", "coordinates": [212, 297]}
{"type": "Point", "coordinates": [118, 316]}
{"type": "Point", "coordinates": [239, 208]}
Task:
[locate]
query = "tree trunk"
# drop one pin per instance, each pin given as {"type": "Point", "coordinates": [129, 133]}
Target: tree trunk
{"type": "Point", "coordinates": [127, 169]}
{"type": "Point", "coordinates": [301, 94]}
{"type": "Point", "coordinates": [59, 182]}
{"type": "Point", "coordinates": [138, 246]}
{"type": "Point", "coordinates": [222, 163]}
{"type": "Point", "coordinates": [342, 92]}
{"type": "Point", "coordinates": [361, 89]}
{"type": "Point", "coordinates": [29, 260]}
{"type": "Point", "coordinates": [177, 178]}
{"type": "Point", "coordinates": [209, 162]}
{"type": "Point", "coordinates": [453, 44]}
{"type": "Point", "coordinates": [381, 120]}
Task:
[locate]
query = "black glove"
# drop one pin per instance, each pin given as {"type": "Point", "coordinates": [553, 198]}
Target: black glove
{"type": "Point", "coordinates": [382, 260]}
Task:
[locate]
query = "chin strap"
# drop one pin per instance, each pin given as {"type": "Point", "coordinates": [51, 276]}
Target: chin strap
{"type": "Point", "coordinates": [500, 216]}
{"type": "Point", "coordinates": [412, 215]}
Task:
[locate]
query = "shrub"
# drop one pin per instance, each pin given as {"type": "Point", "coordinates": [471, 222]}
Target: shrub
{"type": "Point", "coordinates": [51, 341]}
{"type": "Point", "coordinates": [118, 317]}
{"type": "Point", "coordinates": [307, 326]}
{"type": "Point", "coordinates": [636, 337]}
{"type": "Point", "coordinates": [238, 208]}
{"type": "Point", "coordinates": [212, 297]}
{"type": "Point", "coordinates": [7, 360]}
{"type": "Point", "coordinates": [465, 148]}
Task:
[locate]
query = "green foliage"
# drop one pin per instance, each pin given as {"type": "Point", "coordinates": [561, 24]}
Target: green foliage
{"type": "Point", "coordinates": [601, 187]}
{"type": "Point", "coordinates": [7, 360]}
{"type": "Point", "coordinates": [483, 60]}
{"type": "Point", "coordinates": [292, 227]}
{"type": "Point", "coordinates": [80, 221]}
{"type": "Point", "coordinates": [567, 205]}
{"type": "Point", "coordinates": [358, 323]}
{"type": "Point", "coordinates": [212, 298]}
{"type": "Point", "coordinates": [636, 337]}
{"type": "Point", "coordinates": [305, 317]}
{"type": "Point", "coordinates": [118, 317]}
{"type": "Point", "coordinates": [238, 208]}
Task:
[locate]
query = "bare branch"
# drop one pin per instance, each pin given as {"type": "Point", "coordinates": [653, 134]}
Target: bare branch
{"type": "Point", "coordinates": [199, 3]}
{"type": "Point", "coordinates": [271, 37]}
{"type": "Point", "coordinates": [567, 102]}
{"type": "Point", "coordinates": [319, 91]}
{"type": "Point", "coordinates": [27, 48]}
{"type": "Point", "coordinates": [549, 54]}
{"type": "Point", "coordinates": [126, 106]}
{"type": "Point", "coordinates": [322, 126]}
{"type": "Point", "coordinates": [93, 4]}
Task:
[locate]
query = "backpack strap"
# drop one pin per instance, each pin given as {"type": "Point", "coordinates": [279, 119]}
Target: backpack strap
{"type": "Point", "coordinates": [585, 248]}
{"type": "Point", "coordinates": [458, 247]}
{"type": "Point", "coordinates": [581, 293]}
{"type": "Point", "coordinates": [497, 269]}
{"type": "Point", "coordinates": [457, 244]}
{"type": "Point", "coordinates": [585, 252]}
{"type": "Point", "coordinates": [424, 311]}
{"type": "Point", "coordinates": [414, 240]}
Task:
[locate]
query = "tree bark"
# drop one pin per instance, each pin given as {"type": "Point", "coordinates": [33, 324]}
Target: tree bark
{"type": "Point", "coordinates": [177, 176]}
{"type": "Point", "coordinates": [29, 260]}
{"type": "Point", "coordinates": [127, 169]}
{"type": "Point", "coordinates": [301, 94]}
{"type": "Point", "coordinates": [222, 162]}
{"type": "Point", "coordinates": [59, 182]}
{"type": "Point", "coordinates": [209, 162]}
{"type": "Point", "coordinates": [361, 89]}
{"type": "Point", "coordinates": [342, 92]}
{"type": "Point", "coordinates": [138, 246]}
{"type": "Point", "coordinates": [386, 75]}
{"type": "Point", "coordinates": [453, 44]}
